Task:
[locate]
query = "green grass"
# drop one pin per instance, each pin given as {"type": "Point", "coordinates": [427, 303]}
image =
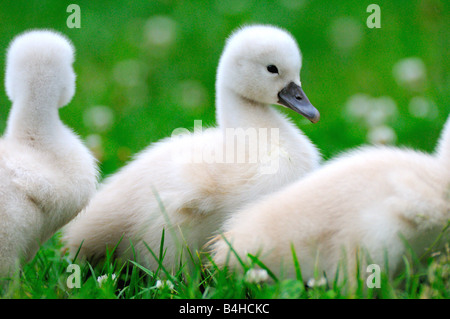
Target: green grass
{"type": "Point", "coordinates": [145, 87]}
{"type": "Point", "coordinates": [47, 276]}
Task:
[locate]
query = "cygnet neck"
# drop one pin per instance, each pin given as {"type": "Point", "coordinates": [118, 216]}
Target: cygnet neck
{"type": "Point", "coordinates": [34, 119]}
{"type": "Point", "coordinates": [236, 111]}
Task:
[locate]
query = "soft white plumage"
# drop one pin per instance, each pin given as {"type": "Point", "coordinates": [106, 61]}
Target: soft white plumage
{"type": "Point", "coordinates": [46, 174]}
{"type": "Point", "coordinates": [183, 185]}
{"type": "Point", "coordinates": [365, 203]}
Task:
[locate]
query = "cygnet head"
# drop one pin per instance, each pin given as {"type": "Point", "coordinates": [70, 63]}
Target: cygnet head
{"type": "Point", "coordinates": [262, 64]}
{"type": "Point", "coordinates": [39, 66]}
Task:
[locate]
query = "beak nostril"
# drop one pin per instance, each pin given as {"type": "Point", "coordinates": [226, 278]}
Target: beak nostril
{"type": "Point", "coordinates": [298, 97]}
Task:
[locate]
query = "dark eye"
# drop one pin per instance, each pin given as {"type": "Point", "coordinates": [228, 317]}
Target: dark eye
{"type": "Point", "coordinates": [272, 68]}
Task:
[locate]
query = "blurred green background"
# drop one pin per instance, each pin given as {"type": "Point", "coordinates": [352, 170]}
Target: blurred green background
{"type": "Point", "coordinates": [147, 67]}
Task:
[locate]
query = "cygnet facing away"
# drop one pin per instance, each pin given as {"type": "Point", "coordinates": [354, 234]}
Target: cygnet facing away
{"type": "Point", "coordinates": [187, 185]}
{"type": "Point", "coordinates": [360, 207]}
{"type": "Point", "coordinates": [47, 175]}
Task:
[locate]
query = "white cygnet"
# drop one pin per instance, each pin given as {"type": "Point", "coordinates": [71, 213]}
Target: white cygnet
{"type": "Point", "coordinates": [47, 175]}
{"type": "Point", "coordinates": [373, 205]}
{"type": "Point", "coordinates": [188, 184]}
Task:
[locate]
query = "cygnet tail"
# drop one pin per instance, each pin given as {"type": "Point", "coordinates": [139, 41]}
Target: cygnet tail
{"type": "Point", "coordinates": [443, 148]}
{"type": "Point", "coordinates": [39, 62]}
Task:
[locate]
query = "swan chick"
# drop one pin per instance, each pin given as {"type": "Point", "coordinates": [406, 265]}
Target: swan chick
{"type": "Point", "coordinates": [358, 209]}
{"type": "Point", "coordinates": [188, 184]}
{"type": "Point", "coordinates": [47, 175]}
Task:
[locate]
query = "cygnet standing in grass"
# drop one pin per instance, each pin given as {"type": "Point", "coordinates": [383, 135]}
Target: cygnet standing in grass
{"type": "Point", "coordinates": [364, 207]}
{"type": "Point", "coordinates": [47, 175]}
{"type": "Point", "coordinates": [187, 185]}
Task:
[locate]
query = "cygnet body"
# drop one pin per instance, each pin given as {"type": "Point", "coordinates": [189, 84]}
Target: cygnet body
{"type": "Point", "coordinates": [372, 205]}
{"type": "Point", "coordinates": [47, 175]}
{"type": "Point", "coordinates": [188, 184]}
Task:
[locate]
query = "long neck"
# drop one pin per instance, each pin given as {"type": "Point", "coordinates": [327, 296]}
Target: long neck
{"type": "Point", "coordinates": [34, 120]}
{"type": "Point", "coordinates": [235, 111]}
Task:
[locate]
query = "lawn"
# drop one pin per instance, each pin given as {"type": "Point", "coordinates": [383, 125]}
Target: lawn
{"type": "Point", "coordinates": [148, 67]}
{"type": "Point", "coordinates": [50, 276]}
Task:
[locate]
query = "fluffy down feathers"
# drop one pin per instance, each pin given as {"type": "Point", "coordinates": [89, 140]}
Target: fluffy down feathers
{"type": "Point", "coordinates": [363, 205]}
{"type": "Point", "coordinates": [185, 185]}
{"type": "Point", "coordinates": [46, 174]}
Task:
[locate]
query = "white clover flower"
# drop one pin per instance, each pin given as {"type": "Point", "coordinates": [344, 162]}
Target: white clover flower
{"type": "Point", "coordinates": [358, 105]}
{"type": "Point", "coordinates": [381, 110]}
{"type": "Point", "coordinates": [94, 141]}
{"type": "Point", "coordinates": [410, 73]}
{"type": "Point", "coordinates": [373, 111]}
{"type": "Point", "coordinates": [95, 144]}
{"type": "Point", "coordinates": [161, 284]}
{"type": "Point", "coordinates": [104, 278]}
{"type": "Point", "coordinates": [422, 107]}
{"type": "Point", "coordinates": [99, 118]}
{"type": "Point", "coordinates": [160, 31]}
{"type": "Point", "coordinates": [316, 283]}
{"type": "Point", "coordinates": [382, 134]}
{"type": "Point", "coordinates": [255, 276]}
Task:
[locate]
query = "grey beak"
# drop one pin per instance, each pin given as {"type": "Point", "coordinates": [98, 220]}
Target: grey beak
{"type": "Point", "coordinates": [293, 97]}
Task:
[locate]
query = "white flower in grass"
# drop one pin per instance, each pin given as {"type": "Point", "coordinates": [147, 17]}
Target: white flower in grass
{"type": "Point", "coordinates": [103, 279]}
{"type": "Point", "coordinates": [422, 107]}
{"type": "Point", "coordinates": [382, 110]}
{"type": "Point", "coordinates": [316, 283]}
{"type": "Point", "coordinates": [373, 111]}
{"type": "Point", "coordinates": [160, 31]}
{"type": "Point", "coordinates": [382, 134]}
{"type": "Point", "coordinates": [99, 118]}
{"type": "Point", "coordinates": [161, 284]}
{"type": "Point", "coordinates": [358, 105]}
{"type": "Point", "coordinates": [410, 73]}
{"type": "Point", "coordinates": [95, 144]}
{"type": "Point", "coordinates": [255, 276]}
